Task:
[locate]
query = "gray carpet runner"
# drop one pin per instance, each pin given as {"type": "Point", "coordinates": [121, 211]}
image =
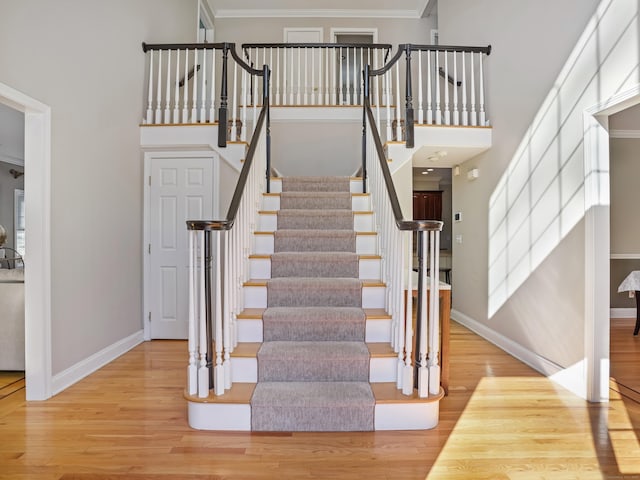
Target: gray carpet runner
{"type": "Point", "coordinates": [313, 365]}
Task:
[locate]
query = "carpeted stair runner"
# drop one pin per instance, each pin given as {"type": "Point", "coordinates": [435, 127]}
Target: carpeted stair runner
{"type": "Point", "coordinates": [313, 367]}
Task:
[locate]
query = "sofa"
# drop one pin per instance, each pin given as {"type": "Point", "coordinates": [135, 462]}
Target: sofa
{"type": "Point", "coordinates": [12, 319]}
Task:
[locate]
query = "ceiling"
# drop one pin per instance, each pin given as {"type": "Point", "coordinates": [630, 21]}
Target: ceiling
{"type": "Point", "coordinates": [322, 8]}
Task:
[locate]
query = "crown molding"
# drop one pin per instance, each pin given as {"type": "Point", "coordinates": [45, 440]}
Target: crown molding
{"type": "Point", "coordinates": [315, 13]}
{"type": "Point", "coordinates": [624, 133]}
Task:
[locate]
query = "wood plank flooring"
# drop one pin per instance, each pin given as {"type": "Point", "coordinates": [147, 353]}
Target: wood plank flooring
{"type": "Point", "coordinates": [501, 420]}
{"type": "Point", "coordinates": [625, 358]}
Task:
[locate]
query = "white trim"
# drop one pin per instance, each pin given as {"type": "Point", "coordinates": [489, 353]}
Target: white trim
{"type": "Point", "coordinates": [624, 133]}
{"type": "Point", "coordinates": [622, 313]}
{"type": "Point", "coordinates": [6, 158]}
{"type": "Point", "coordinates": [205, 15]}
{"type": "Point", "coordinates": [568, 378]}
{"type": "Point", "coordinates": [37, 155]}
{"type": "Point", "coordinates": [316, 114]}
{"type": "Point", "coordinates": [86, 367]}
{"type": "Point", "coordinates": [624, 256]}
{"type": "Point", "coordinates": [426, 8]}
{"type": "Point", "coordinates": [335, 31]}
{"type": "Point", "coordinates": [317, 30]}
{"type": "Point", "coordinates": [315, 13]}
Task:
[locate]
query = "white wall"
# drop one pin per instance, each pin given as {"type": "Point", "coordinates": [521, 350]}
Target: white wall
{"type": "Point", "coordinates": [520, 271]}
{"type": "Point", "coordinates": [83, 58]}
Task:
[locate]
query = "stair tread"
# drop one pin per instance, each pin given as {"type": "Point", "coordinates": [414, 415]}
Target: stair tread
{"type": "Point", "coordinates": [250, 349]}
{"type": "Point", "coordinates": [263, 282]}
{"type": "Point", "coordinates": [370, 313]}
{"type": "Point", "coordinates": [266, 256]}
{"type": "Point", "coordinates": [312, 394]}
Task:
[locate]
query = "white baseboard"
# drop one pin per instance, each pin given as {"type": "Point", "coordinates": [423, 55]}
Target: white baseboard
{"type": "Point", "coordinates": [570, 378]}
{"type": "Point", "coordinates": [622, 313]}
{"type": "Point", "coordinates": [82, 369]}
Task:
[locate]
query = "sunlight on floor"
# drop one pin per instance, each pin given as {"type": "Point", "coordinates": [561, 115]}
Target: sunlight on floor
{"type": "Point", "coordinates": [519, 427]}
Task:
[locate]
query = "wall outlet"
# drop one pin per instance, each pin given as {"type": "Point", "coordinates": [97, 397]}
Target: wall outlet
{"type": "Point", "coordinates": [457, 217]}
{"type": "Point", "coordinates": [458, 238]}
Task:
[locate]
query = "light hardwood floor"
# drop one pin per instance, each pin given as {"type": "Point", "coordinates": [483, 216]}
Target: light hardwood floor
{"type": "Point", "coordinates": [625, 358]}
{"type": "Point", "coordinates": [501, 420]}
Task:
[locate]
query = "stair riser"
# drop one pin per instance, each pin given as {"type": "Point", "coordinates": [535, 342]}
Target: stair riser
{"type": "Point", "coordinates": [268, 222]}
{"type": "Point", "coordinates": [250, 330]}
{"type": "Point", "coordinates": [256, 297]}
{"type": "Point", "coordinates": [245, 369]}
{"type": "Point", "coordinates": [365, 244]}
{"type": "Point", "coordinates": [359, 203]}
{"type": "Point", "coordinates": [260, 269]}
{"type": "Point", "coordinates": [276, 186]}
{"type": "Point", "coordinates": [388, 416]}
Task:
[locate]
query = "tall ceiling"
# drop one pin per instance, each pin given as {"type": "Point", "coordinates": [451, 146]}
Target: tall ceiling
{"type": "Point", "coordinates": [322, 8]}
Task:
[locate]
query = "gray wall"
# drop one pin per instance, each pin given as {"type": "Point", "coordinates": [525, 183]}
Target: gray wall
{"type": "Point", "coordinates": [531, 41]}
{"type": "Point", "coordinates": [83, 58]}
{"type": "Point", "coordinates": [625, 214]}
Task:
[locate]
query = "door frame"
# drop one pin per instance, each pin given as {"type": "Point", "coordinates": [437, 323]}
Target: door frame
{"type": "Point", "coordinates": [37, 186]}
{"type": "Point", "coordinates": [146, 241]}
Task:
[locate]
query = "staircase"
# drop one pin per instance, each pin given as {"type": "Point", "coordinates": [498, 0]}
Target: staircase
{"type": "Point", "coordinates": [313, 349]}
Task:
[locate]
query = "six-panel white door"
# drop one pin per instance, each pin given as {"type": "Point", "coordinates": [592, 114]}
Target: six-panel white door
{"type": "Point", "coordinates": [180, 189]}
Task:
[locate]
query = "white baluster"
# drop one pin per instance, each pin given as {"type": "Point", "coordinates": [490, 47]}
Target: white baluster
{"type": "Point", "coordinates": [399, 317]}
{"type": "Point", "coordinates": [407, 378]}
{"type": "Point", "coordinates": [474, 116]}
{"type": "Point", "coordinates": [483, 117]}
{"type": "Point", "coordinates": [387, 81]}
{"type": "Point", "coordinates": [313, 76]}
{"type": "Point", "coordinates": [149, 117]}
{"type": "Point", "coordinates": [341, 83]}
{"type": "Point", "coordinates": [429, 93]}
{"type": "Point", "coordinates": [291, 79]}
{"type": "Point", "coordinates": [234, 111]}
{"type": "Point", "coordinates": [376, 95]}
{"type": "Point", "coordinates": [332, 91]}
{"type": "Point", "coordinates": [176, 88]}
{"type": "Point", "coordinates": [423, 372]}
{"type": "Point", "coordinates": [203, 370]}
{"type": "Point", "coordinates": [447, 89]}
{"type": "Point", "coordinates": [299, 86]}
{"type": "Point", "coordinates": [434, 331]}
{"type": "Point", "coordinates": [456, 108]}
{"type": "Point", "coordinates": [465, 113]}
{"type": "Point", "coordinates": [271, 73]}
{"type": "Point", "coordinates": [256, 83]}
{"type": "Point", "coordinates": [218, 379]}
{"type": "Point", "coordinates": [203, 88]}
{"type": "Point", "coordinates": [192, 369]}
{"type": "Point", "coordinates": [167, 100]}
{"type": "Point", "coordinates": [159, 90]}
{"type": "Point", "coordinates": [437, 82]}
{"type": "Point", "coordinates": [245, 100]}
{"type": "Point", "coordinates": [306, 79]}
{"type": "Point", "coordinates": [212, 107]}
{"type": "Point", "coordinates": [420, 112]}
{"type": "Point", "coordinates": [398, 102]}
{"type": "Point", "coordinates": [185, 86]}
{"type": "Point", "coordinates": [194, 92]}
{"type": "Point", "coordinates": [277, 99]}
{"type": "Point", "coordinates": [360, 77]}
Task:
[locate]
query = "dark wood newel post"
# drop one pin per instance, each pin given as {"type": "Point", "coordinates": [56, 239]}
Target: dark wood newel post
{"type": "Point", "coordinates": [222, 111]}
{"type": "Point", "coordinates": [408, 122]}
{"type": "Point", "coordinates": [365, 74]}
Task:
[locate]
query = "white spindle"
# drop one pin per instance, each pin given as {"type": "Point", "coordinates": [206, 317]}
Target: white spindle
{"type": "Point", "coordinates": [306, 79]}
{"type": "Point", "coordinates": [313, 76]}
{"type": "Point", "coordinates": [434, 340]}
{"type": "Point", "coordinates": [176, 88]}
{"type": "Point", "coordinates": [203, 370]}
{"type": "Point", "coordinates": [437, 82]}
{"type": "Point", "coordinates": [256, 82]}
{"type": "Point", "coordinates": [420, 112]}
{"type": "Point", "coordinates": [192, 369]}
{"type": "Point", "coordinates": [333, 78]}
{"type": "Point", "coordinates": [456, 108]}
{"type": "Point", "coordinates": [159, 90]}
{"type": "Point", "coordinates": [167, 100]}
{"type": "Point", "coordinates": [185, 86]}
{"type": "Point", "coordinates": [474, 116]}
{"type": "Point", "coordinates": [429, 97]}
{"type": "Point", "coordinates": [387, 81]}
{"type": "Point", "coordinates": [360, 77]}
{"type": "Point", "coordinates": [218, 379]}
{"type": "Point", "coordinates": [234, 109]}
{"type": "Point", "coordinates": [299, 85]}
{"type": "Point", "coordinates": [291, 78]}
{"type": "Point", "coordinates": [203, 88]}
{"type": "Point", "coordinates": [340, 82]}
{"type": "Point", "coordinates": [376, 95]}
{"type": "Point", "coordinates": [212, 105]}
{"type": "Point", "coordinates": [277, 99]}
{"type": "Point", "coordinates": [325, 94]}
{"type": "Point", "coordinates": [483, 117]}
{"type": "Point", "coordinates": [398, 102]}
{"type": "Point", "coordinates": [465, 112]}
{"type": "Point", "coordinates": [227, 314]}
{"type": "Point", "coordinates": [423, 293]}
{"type": "Point", "coordinates": [407, 378]}
{"type": "Point", "coordinates": [149, 118]}
{"type": "Point", "coordinates": [245, 100]}
{"type": "Point", "coordinates": [400, 314]}
{"type": "Point", "coordinates": [447, 89]}
{"type": "Point", "coordinates": [194, 92]}
{"type": "Point", "coordinates": [271, 73]}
